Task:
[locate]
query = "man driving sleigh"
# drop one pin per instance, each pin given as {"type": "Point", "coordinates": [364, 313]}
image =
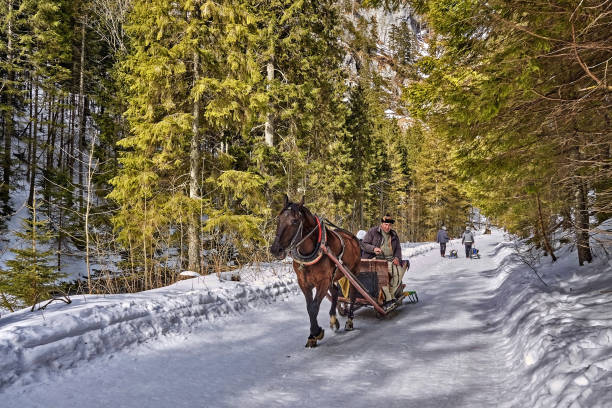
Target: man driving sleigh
{"type": "Point", "coordinates": [383, 242]}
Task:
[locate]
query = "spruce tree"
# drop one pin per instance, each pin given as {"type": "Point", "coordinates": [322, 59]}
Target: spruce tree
{"type": "Point", "coordinates": [191, 81]}
{"type": "Point", "coordinates": [525, 114]}
{"type": "Point", "coordinates": [30, 276]}
{"type": "Point", "coordinates": [304, 101]}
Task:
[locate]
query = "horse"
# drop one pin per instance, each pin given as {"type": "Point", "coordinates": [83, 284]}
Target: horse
{"type": "Point", "coordinates": [306, 237]}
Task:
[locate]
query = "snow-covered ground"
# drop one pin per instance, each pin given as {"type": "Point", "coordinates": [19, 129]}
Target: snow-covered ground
{"type": "Point", "coordinates": [486, 333]}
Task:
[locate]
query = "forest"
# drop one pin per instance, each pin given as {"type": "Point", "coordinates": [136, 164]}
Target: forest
{"type": "Point", "coordinates": [145, 138]}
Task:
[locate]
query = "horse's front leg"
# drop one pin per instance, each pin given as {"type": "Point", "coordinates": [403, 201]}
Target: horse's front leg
{"type": "Point", "coordinates": [333, 320]}
{"type": "Point", "coordinates": [313, 305]}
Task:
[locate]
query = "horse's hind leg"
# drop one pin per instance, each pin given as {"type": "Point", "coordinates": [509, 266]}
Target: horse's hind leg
{"type": "Point", "coordinates": [333, 321]}
{"type": "Point", "coordinates": [348, 326]}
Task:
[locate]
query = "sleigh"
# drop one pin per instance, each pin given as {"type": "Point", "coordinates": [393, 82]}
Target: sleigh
{"type": "Point", "coordinates": [372, 275]}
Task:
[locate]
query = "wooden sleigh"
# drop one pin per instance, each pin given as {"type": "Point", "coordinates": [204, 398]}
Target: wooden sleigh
{"type": "Point", "coordinates": [372, 275]}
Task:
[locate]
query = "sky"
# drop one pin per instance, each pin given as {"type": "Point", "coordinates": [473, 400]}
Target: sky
{"type": "Point", "coordinates": [488, 332]}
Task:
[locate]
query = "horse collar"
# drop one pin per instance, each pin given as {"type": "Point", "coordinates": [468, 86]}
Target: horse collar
{"type": "Point", "coordinates": [317, 253]}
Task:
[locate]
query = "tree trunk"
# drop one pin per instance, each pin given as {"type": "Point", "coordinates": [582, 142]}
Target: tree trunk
{"type": "Point", "coordinates": [195, 158]}
{"type": "Point", "coordinates": [87, 210]}
{"type": "Point", "coordinates": [8, 118]}
{"type": "Point", "coordinates": [60, 237]}
{"type": "Point", "coordinates": [60, 153]}
{"type": "Point", "coordinates": [34, 146]}
{"type": "Point", "coordinates": [582, 225]}
{"type": "Point", "coordinates": [144, 245]}
{"type": "Point", "coordinates": [70, 155]}
{"type": "Point", "coordinates": [50, 148]}
{"type": "Point", "coordinates": [543, 231]}
{"type": "Point", "coordinates": [30, 130]}
{"type": "Point", "coordinates": [52, 131]}
{"type": "Point", "coordinates": [82, 120]}
{"type": "Point", "coordinates": [269, 127]}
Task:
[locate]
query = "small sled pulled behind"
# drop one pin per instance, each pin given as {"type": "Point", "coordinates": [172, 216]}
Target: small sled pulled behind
{"type": "Point", "coordinates": [474, 253]}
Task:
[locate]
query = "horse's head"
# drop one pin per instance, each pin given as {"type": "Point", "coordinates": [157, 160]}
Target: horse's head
{"type": "Point", "coordinates": [290, 221]}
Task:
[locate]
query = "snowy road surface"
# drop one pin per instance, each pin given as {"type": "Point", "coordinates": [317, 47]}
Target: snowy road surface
{"type": "Point", "coordinates": [437, 353]}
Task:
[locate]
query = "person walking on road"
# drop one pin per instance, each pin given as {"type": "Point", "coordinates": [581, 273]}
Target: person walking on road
{"type": "Point", "coordinates": [468, 240]}
{"type": "Point", "coordinates": [442, 239]}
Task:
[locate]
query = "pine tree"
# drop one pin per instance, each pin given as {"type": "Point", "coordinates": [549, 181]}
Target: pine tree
{"type": "Point", "coordinates": [402, 43]}
{"type": "Point", "coordinates": [192, 92]}
{"type": "Point", "coordinates": [525, 113]}
{"type": "Point", "coordinates": [371, 134]}
{"type": "Point", "coordinates": [30, 277]}
{"type": "Point", "coordinates": [442, 199]}
{"type": "Point", "coordinates": [303, 101]}
{"type": "Point", "coordinates": [11, 93]}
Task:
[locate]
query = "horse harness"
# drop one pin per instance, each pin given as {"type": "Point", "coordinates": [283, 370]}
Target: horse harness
{"type": "Point", "coordinates": [316, 255]}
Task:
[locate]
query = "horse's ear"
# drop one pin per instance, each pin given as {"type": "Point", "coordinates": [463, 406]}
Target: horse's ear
{"type": "Point", "coordinates": [286, 203]}
{"type": "Point", "coordinates": [302, 202]}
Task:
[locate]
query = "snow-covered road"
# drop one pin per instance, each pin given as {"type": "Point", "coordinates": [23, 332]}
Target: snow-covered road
{"type": "Point", "coordinates": [437, 353]}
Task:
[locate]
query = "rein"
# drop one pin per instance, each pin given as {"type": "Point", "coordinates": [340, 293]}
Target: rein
{"type": "Point", "coordinates": [307, 235]}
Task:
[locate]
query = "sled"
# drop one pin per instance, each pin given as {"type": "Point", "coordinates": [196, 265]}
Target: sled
{"type": "Point", "coordinates": [475, 253]}
{"type": "Point", "coordinates": [371, 276]}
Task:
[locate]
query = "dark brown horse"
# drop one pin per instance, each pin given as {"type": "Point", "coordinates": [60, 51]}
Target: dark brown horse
{"type": "Point", "coordinates": [305, 237]}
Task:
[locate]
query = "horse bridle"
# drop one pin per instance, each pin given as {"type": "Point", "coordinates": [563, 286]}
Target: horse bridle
{"type": "Point", "coordinates": [317, 253]}
{"type": "Point", "coordinates": [298, 232]}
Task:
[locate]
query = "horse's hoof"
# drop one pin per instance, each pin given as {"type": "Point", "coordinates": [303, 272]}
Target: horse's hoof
{"type": "Point", "coordinates": [320, 335]}
{"type": "Point", "coordinates": [334, 324]}
{"type": "Point", "coordinates": [348, 326]}
{"type": "Point", "coordinates": [311, 343]}
{"type": "Point", "coordinates": [312, 340]}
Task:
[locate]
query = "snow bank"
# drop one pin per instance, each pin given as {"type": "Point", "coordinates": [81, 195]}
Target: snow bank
{"type": "Point", "coordinates": [558, 333]}
{"type": "Point", "coordinates": [62, 335]}
{"type": "Point", "coordinates": [413, 249]}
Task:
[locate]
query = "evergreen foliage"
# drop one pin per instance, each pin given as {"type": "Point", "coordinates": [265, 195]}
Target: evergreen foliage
{"type": "Point", "coordinates": [305, 96]}
{"type": "Point", "coordinates": [440, 190]}
{"type": "Point", "coordinates": [381, 165]}
{"type": "Point", "coordinates": [29, 277]}
{"type": "Point", "coordinates": [521, 91]}
{"type": "Point", "coordinates": [176, 102]}
{"type": "Point", "coordinates": [402, 44]}
{"type": "Point", "coordinates": [166, 40]}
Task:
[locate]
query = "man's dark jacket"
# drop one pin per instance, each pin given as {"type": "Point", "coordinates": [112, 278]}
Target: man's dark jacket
{"type": "Point", "coordinates": [442, 237]}
{"type": "Point", "coordinates": [373, 239]}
